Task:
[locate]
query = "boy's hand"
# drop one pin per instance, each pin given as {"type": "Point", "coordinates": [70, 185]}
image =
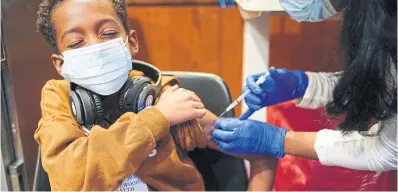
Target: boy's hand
{"type": "Point", "coordinates": [207, 124]}
{"type": "Point", "coordinates": [179, 105]}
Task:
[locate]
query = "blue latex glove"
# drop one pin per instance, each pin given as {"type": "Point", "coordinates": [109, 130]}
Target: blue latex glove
{"type": "Point", "coordinates": [225, 3]}
{"type": "Point", "coordinates": [249, 137]}
{"type": "Point", "coordinates": [280, 85]}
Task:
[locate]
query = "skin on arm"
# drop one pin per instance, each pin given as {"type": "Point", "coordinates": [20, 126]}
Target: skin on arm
{"type": "Point", "coordinates": [262, 168]}
{"type": "Point", "coordinates": [262, 173]}
{"type": "Point", "coordinates": [301, 144]}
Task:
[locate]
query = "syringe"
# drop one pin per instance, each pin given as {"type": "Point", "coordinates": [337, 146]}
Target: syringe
{"type": "Point", "coordinates": [240, 98]}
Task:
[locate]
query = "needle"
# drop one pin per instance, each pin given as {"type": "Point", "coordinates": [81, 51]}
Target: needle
{"type": "Point", "coordinates": [240, 98]}
{"type": "Point", "coordinates": [223, 113]}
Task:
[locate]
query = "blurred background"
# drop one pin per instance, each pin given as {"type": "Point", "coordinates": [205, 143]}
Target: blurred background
{"type": "Point", "coordinates": [176, 35]}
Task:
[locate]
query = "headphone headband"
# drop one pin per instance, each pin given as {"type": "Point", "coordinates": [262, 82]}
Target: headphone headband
{"type": "Point", "coordinates": [149, 70]}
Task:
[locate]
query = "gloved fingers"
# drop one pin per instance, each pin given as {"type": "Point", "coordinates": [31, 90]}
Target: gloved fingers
{"type": "Point", "coordinates": [253, 99]}
{"type": "Point", "coordinates": [245, 88]}
{"type": "Point", "coordinates": [273, 73]}
{"type": "Point", "coordinates": [227, 124]}
{"type": "Point", "coordinates": [282, 72]}
{"type": "Point", "coordinates": [278, 74]}
{"type": "Point", "coordinates": [223, 145]}
{"type": "Point", "coordinates": [254, 107]}
{"type": "Point", "coordinates": [251, 84]}
{"type": "Point", "coordinates": [265, 102]}
{"type": "Point", "coordinates": [257, 75]}
{"type": "Point", "coordinates": [267, 86]}
{"type": "Point", "coordinates": [247, 114]}
{"type": "Point", "coordinates": [226, 136]}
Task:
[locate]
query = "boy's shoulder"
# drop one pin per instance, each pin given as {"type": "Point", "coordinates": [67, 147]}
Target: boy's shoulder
{"type": "Point", "coordinates": [169, 80]}
{"type": "Point", "coordinates": [166, 80]}
{"type": "Point", "coordinates": [56, 85]}
{"type": "Point", "coordinates": [55, 92]}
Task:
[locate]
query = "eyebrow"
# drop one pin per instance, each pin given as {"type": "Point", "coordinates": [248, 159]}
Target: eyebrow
{"type": "Point", "coordinates": [98, 24]}
{"type": "Point", "coordinates": [103, 21]}
{"type": "Point", "coordinates": [73, 30]}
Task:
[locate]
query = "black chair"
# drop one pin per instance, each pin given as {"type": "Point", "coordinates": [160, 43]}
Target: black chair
{"type": "Point", "coordinates": [220, 172]}
{"type": "Point", "coordinates": [40, 182]}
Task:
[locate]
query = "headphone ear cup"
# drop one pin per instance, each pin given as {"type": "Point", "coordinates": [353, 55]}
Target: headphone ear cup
{"type": "Point", "coordinates": [76, 107]}
{"type": "Point", "coordinates": [98, 107]}
{"type": "Point", "coordinates": [146, 97]}
{"type": "Point", "coordinates": [129, 95]}
{"type": "Point", "coordinates": [92, 108]}
{"type": "Point", "coordinates": [121, 102]}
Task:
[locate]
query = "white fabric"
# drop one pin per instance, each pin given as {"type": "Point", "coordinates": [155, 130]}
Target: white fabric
{"type": "Point", "coordinates": [353, 151]}
{"type": "Point", "coordinates": [250, 9]}
{"type": "Point", "coordinates": [260, 5]}
{"type": "Point", "coordinates": [308, 10]}
{"type": "Point", "coordinates": [133, 183]}
{"type": "Point", "coordinates": [319, 91]}
{"type": "Point", "coordinates": [102, 68]}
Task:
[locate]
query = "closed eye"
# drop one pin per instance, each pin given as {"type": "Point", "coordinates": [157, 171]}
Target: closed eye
{"type": "Point", "coordinates": [74, 44]}
{"type": "Point", "coordinates": [109, 34]}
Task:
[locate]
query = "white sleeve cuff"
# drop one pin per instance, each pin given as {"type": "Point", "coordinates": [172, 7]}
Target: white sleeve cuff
{"type": "Point", "coordinates": [319, 91]}
{"type": "Point", "coordinates": [316, 94]}
{"type": "Point", "coordinates": [350, 151]}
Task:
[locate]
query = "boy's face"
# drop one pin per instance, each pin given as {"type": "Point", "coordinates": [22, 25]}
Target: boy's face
{"type": "Point", "coordinates": [81, 23]}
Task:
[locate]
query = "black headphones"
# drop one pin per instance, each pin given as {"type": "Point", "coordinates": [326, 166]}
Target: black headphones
{"type": "Point", "coordinates": [136, 94]}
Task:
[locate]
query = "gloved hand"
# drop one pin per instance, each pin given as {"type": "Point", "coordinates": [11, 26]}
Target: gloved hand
{"type": "Point", "coordinates": [280, 85]}
{"type": "Point", "coordinates": [249, 137]}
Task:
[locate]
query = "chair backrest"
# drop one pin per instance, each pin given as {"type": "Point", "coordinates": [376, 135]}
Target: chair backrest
{"type": "Point", "coordinates": [220, 172]}
{"type": "Point", "coordinates": [40, 182]}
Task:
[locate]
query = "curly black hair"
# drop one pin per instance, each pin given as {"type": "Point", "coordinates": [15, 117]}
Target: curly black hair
{"type": "Point", "coordinates": [46, 28]}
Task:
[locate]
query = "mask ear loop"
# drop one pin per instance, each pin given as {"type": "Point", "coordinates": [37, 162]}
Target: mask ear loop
{"type": "Point", "coordinates": [63, 60]}
{"type": "Point", "coordinates": [127, 40]}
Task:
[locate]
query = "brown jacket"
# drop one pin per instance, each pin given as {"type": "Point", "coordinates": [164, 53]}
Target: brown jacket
{"type": "Point", "coordinates": [102, 160]}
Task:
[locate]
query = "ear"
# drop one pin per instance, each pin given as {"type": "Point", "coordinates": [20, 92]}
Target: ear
{"type": "Point", "coordinates": [133, 42]}
{"type": "Point", "coordinates": [57, 62]}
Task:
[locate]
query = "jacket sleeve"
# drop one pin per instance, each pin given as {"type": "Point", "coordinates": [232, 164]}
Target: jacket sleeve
{"type": "Point", "coordinates": [319, 91]}
{"type": "Point", "coordinates": [104, 158]}
{"type": "Point", "coordinates": [188, 135]}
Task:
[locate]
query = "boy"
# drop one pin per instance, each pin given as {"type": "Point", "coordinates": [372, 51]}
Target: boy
{"type": "Point", "coordinates": [117, 152]}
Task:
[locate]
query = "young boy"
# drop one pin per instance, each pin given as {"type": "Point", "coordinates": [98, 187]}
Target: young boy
{"type": "Point", "coordinates": [116, 155]}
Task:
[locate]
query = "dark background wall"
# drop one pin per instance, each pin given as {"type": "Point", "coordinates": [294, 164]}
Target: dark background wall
{"type": "Point", "coordinates": [28, 58]}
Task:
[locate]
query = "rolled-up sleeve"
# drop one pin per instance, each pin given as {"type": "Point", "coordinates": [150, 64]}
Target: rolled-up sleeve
{"type": "Point", "coordinates": [319, 91]}
{"type": "Point", "coordinates": [355, 151]}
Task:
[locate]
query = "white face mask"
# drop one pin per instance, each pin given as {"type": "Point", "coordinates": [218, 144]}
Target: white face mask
{"type": "Point", "coordinates": [102, 68]}
{"type": "Point", "coordinates": [309, 10]}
